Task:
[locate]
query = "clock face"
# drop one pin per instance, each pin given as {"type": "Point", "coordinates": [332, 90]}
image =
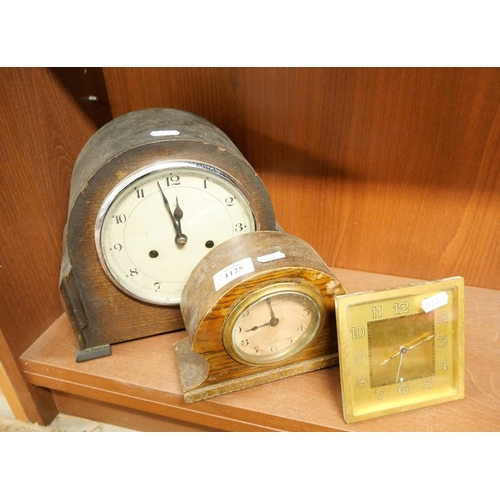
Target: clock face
{"type": "Point", "coordinates": [401, 349]}
{"type": "Point", "coordinates": [157, 224]}
{"type": "Point", "coordinates": [273, 324]}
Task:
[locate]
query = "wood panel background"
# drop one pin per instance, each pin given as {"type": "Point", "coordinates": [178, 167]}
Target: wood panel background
{"type": "Point", "coordinates": [41, 133]}
{"type": "Point", "coordinates": [387, 170]}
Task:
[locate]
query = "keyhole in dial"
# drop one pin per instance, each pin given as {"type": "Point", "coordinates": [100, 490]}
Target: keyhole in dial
{"type": "Point", "coordinates": [153, 254]}
{"type": "Point", "coordinates": [209, 244]}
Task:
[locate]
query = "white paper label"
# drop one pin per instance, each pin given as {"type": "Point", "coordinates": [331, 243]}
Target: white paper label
{"type": "Point", "coordinates": [232, 272]}
{"type": "Point", "coordinates": [438, 300]}
{"type": "Point", "coordinates": [162, 133]}
{"type": "Point", "coordinates": [271, 256]}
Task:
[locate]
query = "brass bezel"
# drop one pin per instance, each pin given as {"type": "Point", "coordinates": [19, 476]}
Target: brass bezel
{"type": "Point", "coordinates": [447, 387]}
{"type": "Point", "coordinates": [260, 294]}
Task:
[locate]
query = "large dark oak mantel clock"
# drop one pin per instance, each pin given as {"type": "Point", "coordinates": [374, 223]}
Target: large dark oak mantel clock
{"type": "Point", "coordinates": [152, 192]}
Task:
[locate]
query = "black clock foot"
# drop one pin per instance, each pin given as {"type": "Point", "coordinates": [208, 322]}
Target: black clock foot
{"type": "Point", "coordinates": [93, 352]}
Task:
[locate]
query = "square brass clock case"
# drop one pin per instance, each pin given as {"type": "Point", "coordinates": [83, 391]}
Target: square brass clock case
{"type": "Point", "coordinates": [401, 348]}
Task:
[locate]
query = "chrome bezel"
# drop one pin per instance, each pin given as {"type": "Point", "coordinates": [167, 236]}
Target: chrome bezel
{"type": "Point", "coordinates": [126, 182]}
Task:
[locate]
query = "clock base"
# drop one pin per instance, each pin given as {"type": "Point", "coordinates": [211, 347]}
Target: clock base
{"type": "Point", "coordinates": [100, 351]}
{"type": "Point", "coordinates": [191, 363]}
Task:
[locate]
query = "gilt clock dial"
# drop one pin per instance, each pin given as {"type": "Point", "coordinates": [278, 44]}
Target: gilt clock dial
{"type": "Point", "coordinates": [402, 348]}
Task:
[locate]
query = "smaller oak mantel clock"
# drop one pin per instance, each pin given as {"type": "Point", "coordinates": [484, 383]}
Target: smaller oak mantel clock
{"type": "Point", "coordinates": [401, 348]}
{"type": "Point", "coordinates": [152, 192]}
{"type": "Point", "coordinates": [260, 307]}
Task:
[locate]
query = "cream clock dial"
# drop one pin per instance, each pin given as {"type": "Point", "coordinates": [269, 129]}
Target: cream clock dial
{"type": "Point", "coordinates": [159, 222]}
{"type": "Point", "coordinates": [273, 323]}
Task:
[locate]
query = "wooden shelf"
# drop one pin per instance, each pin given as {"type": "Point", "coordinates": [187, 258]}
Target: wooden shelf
{"type": "Point", "coordinates": [141, 377]}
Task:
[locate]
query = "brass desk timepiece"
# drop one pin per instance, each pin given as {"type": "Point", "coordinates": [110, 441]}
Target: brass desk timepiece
{"type": "Point", "coordinates": [258, 308]}
{"type": "Point", "coordinates": [152, 192]}
{"type": "Point", "coordinates": [401, 348]}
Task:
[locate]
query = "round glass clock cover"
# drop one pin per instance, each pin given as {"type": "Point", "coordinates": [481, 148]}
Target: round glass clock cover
{"type": "Point", "coordinates": [273, 324]}
{"type": "Point", "coordinates": [157, 223]}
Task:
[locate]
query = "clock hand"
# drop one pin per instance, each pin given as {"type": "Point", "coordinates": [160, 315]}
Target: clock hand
{"type": "Point", "coordinates": [429, 337]}
{"type": "Point", "coordinates": [274, 320]}
{"type": "Point", "coordinates": [386, 360]}
{"type": "Point", "coordinates": [402, 351]}
{"type": "Point", "coordinates": [257, 327]}
{"type": "Point", "coordinates": [423, 338]}
{"type": "Point", "coordinates": [180, 239]}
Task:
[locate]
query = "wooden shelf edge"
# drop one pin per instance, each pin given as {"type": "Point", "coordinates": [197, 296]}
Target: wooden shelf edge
{"type": "Point", "coordinates": [142, 376]}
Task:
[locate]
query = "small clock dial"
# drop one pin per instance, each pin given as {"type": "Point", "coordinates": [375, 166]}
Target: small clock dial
{"type": "Point", "coordinates": [156, 225]}
{"type": "Point", "coordinates": [401, 349]}
{"type": "Point", "coordinates": [271, 325]}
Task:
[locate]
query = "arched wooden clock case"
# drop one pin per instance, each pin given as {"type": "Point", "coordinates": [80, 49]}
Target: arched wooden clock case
{"type": "Point", "coordinates": [100, 312]}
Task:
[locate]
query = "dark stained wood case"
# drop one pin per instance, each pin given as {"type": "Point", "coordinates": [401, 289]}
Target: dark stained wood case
{"type": "Point", "coordinates": [100, 313]}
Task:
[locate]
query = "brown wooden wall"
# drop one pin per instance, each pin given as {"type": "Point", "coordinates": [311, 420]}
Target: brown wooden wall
{"type": "Point", "coordinates": [41, 134]}
{"type": "Point", "coordinates": [392, 170]}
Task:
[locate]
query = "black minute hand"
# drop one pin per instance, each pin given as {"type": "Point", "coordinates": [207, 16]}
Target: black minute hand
{"type": "Point", "coordinates": [274, 320]}
{"type": "Point", "coordinates": [180, 238]}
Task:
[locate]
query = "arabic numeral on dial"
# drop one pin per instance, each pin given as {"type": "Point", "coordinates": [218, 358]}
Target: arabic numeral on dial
{"type": "Point", "coordinates": [403, 390]}
{"type": "Point", "coordinates": [120, 218]}
{"type": "Point", "coordinates": [173, 180]}
{"type": "Point", "coordinates": [359, 357]}
{"type": "Point", "coordinates": [229, 201]}
{"type": "Point", "coordinates": [157, 285]}
{"type": "Point", "coordinates": [444, 366]}
{"type": "Point", "coordinates": [134, 271]}
{"type": "Point", "coordinates": [401, 308]}
{"type": "Point", "coordinates": [139, 192]}
{"type": "Point", "coordinates": [239, 227]}
{"type": "Point", "coordinates": [245, 342]}
{"type": "Point", "coordinates": [427, 384]}
{"type": "Point", "coordinates": [118, 247]}
{"type": "Point", "coordinates": [358, 332]}
{"type": "Point", "coordinates": [361, 383]}
{"type": "Point", "coordinates": [380, 394]}
{"type": "Point", "coordinates": [442, 317]}
{"type": "Point", "coordinates": [442, 341]}
{"type": "Point", "coordinates": [376, 312]}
